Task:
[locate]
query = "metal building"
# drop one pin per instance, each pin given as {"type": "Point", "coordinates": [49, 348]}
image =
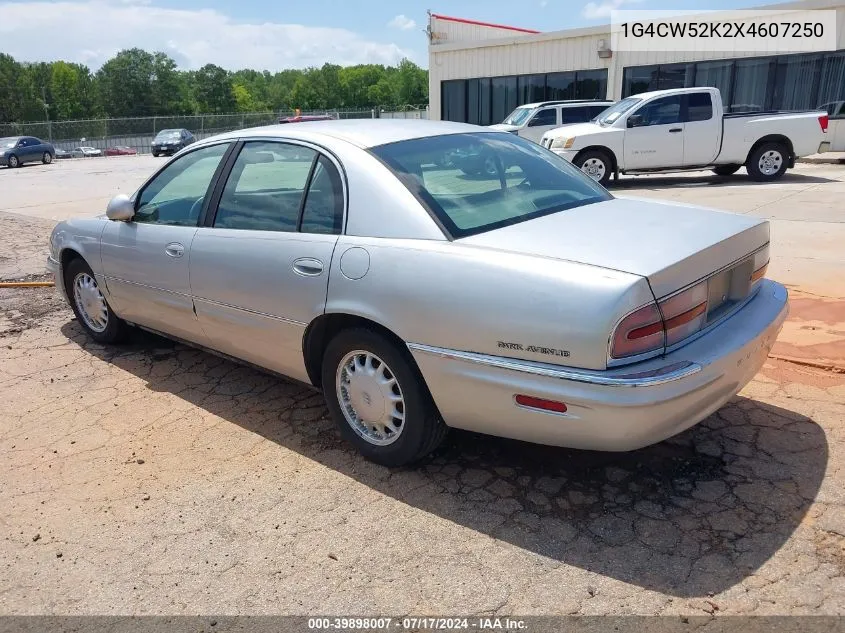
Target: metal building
{"type": "Point", "coordinates": [479, 72]}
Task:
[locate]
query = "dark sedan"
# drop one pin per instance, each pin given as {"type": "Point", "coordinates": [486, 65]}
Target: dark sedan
{"type": "Point", "coordinates": [17, 150]}
{"type": "Point", "coordinates": [169, 142]}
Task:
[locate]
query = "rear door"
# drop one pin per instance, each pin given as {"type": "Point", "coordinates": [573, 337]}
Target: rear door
{"type": "Point", "coordinates": [657, 138]}
{"type": "Point", "coordinates": [702, 130]}
{"type": "Point", "coordinates": [260, 266]}
{"type": "Point", "coordinates": [544, 119]}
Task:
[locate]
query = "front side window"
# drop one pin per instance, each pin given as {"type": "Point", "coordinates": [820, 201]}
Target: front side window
{"type": "Point", "coordinates": [265, 190]}
{"type": "Point", "coordinates": [546, 116]}
{"type": "Point", "coordinates": [175, 196]}
{"type": "Point", "coordinates": [494, 180]}
{"type": "Point", "coordinates": [662, 111]}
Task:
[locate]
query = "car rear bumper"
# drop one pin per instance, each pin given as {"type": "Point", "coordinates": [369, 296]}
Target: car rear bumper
{"type": "Point", "coordinates": [615, 410]}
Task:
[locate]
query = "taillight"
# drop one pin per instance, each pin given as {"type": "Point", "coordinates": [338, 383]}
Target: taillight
{"type": "Point", "coordinates": [651, 328]}
{"type": "Point", "coordinates": [823, 121]}
{"type": "Point", "coordinates": [758, 274]}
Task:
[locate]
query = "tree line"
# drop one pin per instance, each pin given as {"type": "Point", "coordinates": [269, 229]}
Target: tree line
{"type": "Point", "coordinates": [137, 83]}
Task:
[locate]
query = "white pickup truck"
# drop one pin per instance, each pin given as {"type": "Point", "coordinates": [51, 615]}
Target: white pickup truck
{"type": "Point", "coordinates": [686, 129]}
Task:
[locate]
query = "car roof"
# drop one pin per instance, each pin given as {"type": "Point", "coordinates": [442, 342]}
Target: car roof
{"type": "Point", "coordinates": [573, 102]}
{"type": "Point", "coordinates": [363, 133]}
{"type": "Point", "coordinates": [672, 91]}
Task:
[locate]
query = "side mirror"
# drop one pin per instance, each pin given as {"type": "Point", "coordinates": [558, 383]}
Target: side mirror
{"type": "Point", "coordinates": [121, 208]}
{"type": "Point", "coordinates": [635, 120]}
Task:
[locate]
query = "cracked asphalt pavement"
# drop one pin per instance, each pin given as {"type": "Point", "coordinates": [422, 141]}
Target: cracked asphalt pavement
{"type": "Point", "coordinates": [153, 478]}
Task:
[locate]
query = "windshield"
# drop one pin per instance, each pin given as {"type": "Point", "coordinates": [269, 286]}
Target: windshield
{"type": "Point", "coordinates": [518, 116]}
{"type": "Point", "coordinates": [8, 142]}
{"type": "Point", "coordinates": [474, 183]}
{"type": "Point", "coordinates": [615, 111]}
{"type": "Point", "coordinates": [166, 134]}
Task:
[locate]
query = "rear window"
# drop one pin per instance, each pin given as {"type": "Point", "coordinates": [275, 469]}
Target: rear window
{"type": "Point", "coordinates": [478, 182]}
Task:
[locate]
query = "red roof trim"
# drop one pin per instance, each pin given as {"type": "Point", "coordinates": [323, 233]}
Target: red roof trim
{"type": "Point", "coordinates": [477, 23]}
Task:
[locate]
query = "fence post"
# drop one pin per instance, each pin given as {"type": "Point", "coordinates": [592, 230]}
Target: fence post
{"type": "Point", "coordinates": [202, 125]}
{"type": "Point", "coordinates": [105, 131]}
{"type": "Point", "coordinates": [154, 126]}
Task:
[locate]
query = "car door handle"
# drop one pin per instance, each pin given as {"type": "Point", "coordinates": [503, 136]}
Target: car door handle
{"type": "Point", "coordinates": [308, 266]}
{"type": "Point", "coordinates": [174, 249]}
{"type": "Point", "coordinates": [676, 129]}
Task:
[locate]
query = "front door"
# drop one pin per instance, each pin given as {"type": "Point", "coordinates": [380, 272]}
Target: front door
{"type": "Point", "coordinates": [544, 119]}
{"type": "Point", "coordinates": [260, 268]}
{"type": "Point", "coordinates": [145, 260]}
{"type": "Point", "coordinates": [657, 140]}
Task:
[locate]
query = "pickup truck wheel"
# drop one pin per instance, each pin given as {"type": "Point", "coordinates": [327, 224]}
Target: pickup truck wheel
{"type": "Point", "coordinates": [378, 399]}
{"type": "Point", "coordinates": [90, 306]}
{"type": "Point", "coordinates": [767, 162]}
{"type": "Point", "coordinates": [726, 170]}
{"type": "Point", "coordinates": [596, 165]}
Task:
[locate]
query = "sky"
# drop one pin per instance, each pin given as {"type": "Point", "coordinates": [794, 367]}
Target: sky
{"type": "Point", "coordinates": [277, 34]}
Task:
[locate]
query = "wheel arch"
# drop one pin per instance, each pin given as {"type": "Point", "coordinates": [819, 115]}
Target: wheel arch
{"type": "Point", "coordinates": [772, 138]}
{"type": "Point", "coordinates": [326, 326]}
{"type": "Point", "coordinates": [604, 149]}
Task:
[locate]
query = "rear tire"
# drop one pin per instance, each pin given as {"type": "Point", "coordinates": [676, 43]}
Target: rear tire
{"type": "Point", "coordinates": [768, 162]}
{"type": "Point", "coordinates": [90, 306]}
{"type": "Point", "coordinates": [378, 399]}
{"type": "Point", "coordinates": [595, 164]}
{"type": "Point", "coordinates": [726, 170]}
{"type": "Point", "coordinates": [47, 158]}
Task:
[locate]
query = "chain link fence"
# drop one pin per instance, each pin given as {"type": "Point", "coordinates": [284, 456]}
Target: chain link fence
{"type": "Point", "coordinates": [139, 132]}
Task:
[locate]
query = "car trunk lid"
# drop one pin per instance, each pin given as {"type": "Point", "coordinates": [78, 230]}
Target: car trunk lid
{"type": "Point", "coordinates": [672, 245]}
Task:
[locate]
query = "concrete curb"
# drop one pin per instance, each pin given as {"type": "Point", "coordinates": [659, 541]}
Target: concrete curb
{"type": "Point", "coordinates": [828, 158]}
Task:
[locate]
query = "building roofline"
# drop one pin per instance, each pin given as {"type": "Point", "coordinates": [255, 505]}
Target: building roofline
{"type": "Point", "coordinates": [602, 29]}
{"type": "Point", "coordinates": [449, 18]}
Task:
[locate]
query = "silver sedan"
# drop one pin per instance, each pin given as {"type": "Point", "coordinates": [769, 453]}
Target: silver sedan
{"type": "Point", "coordinates": [388, 264]}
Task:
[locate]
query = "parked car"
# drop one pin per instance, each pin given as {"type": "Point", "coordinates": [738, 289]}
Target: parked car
{"type": "Point", "coordinates": [686, 128]}
{"type": "Point", "coordinates": [532, 120]}
{"type": "Point", "coordinates": [17, 150]}
{"type": "Point", "coordinates": [85, 152]}
{"type": "Point", "coordinates": [62, 153]}
{"type": "Point", "coordinates": [120, 150]}
{"type": "Point", "coordinates": [531, 304]}
{"type": "Point", "coordinates": [306, 117]}
{"type": "Point", "coordinates": [168, 142]}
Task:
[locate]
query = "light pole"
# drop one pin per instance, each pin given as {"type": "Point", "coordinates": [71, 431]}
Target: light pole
{"type": "Point", "coordinates": [47, 113]}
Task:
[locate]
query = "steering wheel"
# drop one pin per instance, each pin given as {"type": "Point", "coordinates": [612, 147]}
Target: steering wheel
{"type": "Point", "coordinates": [194, 213]}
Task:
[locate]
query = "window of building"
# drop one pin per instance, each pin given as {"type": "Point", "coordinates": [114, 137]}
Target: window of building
{"type": "Point", "coordinates": [453, 96]}
{"type": "Point", "coordinates": [531, 88]}
{"type": "Point", "coordinates": [751, 85]}
{"type": "Point", "coordinates": [795, 82]}
{"type": "Point", "coordinates": [503, 97]}
{"type": "Point", "coordinates": [715, 75]}
{"type": "Point", "coordinates": [560, 86]}
{"type": "Point", "coordinates": [637, 79]}
{"type": "Point", "coordinates": [832, 86]}
{"type": "Point", "coordinates": [591, 84]}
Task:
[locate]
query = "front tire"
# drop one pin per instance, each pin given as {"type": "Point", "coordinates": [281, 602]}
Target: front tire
{"type": "Point", "coordinates": [595, 164]}
{"type": "Point", "coordinates": [767, 162]}
{"type": "Point", "coordinates": [90, 306]}
{"type": "Point", "coordinates": [726, 170]}
{"type": "Point", "coordinates": [155, 154]}
{"type": "Point", "coordinates": [13, 161]}
{"type": "Point", "coordinates": [47, 158]}
{"type": "Point", "coordinates": [378, 399]}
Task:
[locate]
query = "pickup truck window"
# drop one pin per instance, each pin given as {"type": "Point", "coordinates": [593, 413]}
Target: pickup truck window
{"type": "Point", "coordinates": [662, 111]}
{"type": "Point", "coordinates": [699, 106]}
{"type": "Point", "coordinates": [473, 183]}
{"type": "Point", "coordinates": [618, 109]}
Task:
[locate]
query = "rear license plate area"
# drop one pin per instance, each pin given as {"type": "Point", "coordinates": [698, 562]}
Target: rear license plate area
{"type": "Point", "coordinates": [727, 288]}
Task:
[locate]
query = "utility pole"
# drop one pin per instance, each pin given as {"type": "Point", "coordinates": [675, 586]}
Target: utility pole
{"type": "Point", "coordinates": [47, 113]}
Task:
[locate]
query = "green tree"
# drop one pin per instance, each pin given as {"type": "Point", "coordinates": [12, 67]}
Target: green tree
{"type": "Point", "coordinates": [10, 79]}
{"type": "Point", "coordinates": [125, 84]}
{"type": "Point", "coordinates": [213, 90]}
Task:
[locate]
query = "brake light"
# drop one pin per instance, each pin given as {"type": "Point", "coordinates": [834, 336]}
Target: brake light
{"type": "Point", "coordinates": [758, 274]}
{"type": "Point", "coordinates": [823, 121]}
{"type": "Point", "coordinates": [540, 403]}
{"type": "Point", "coordinates": [657, 325]}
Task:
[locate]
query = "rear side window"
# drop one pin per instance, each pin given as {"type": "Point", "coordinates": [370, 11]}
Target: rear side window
{"type": "Point", "coordinates": [323, 209]}
{"type": "Point", "coordinates": [265, 188]}
{"type": "Point", "coordinates": [472, 183]}
{"type": "Point", "coordinates": [699, 106]}
{"type": "Point", "coordinates": [574, 115]}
